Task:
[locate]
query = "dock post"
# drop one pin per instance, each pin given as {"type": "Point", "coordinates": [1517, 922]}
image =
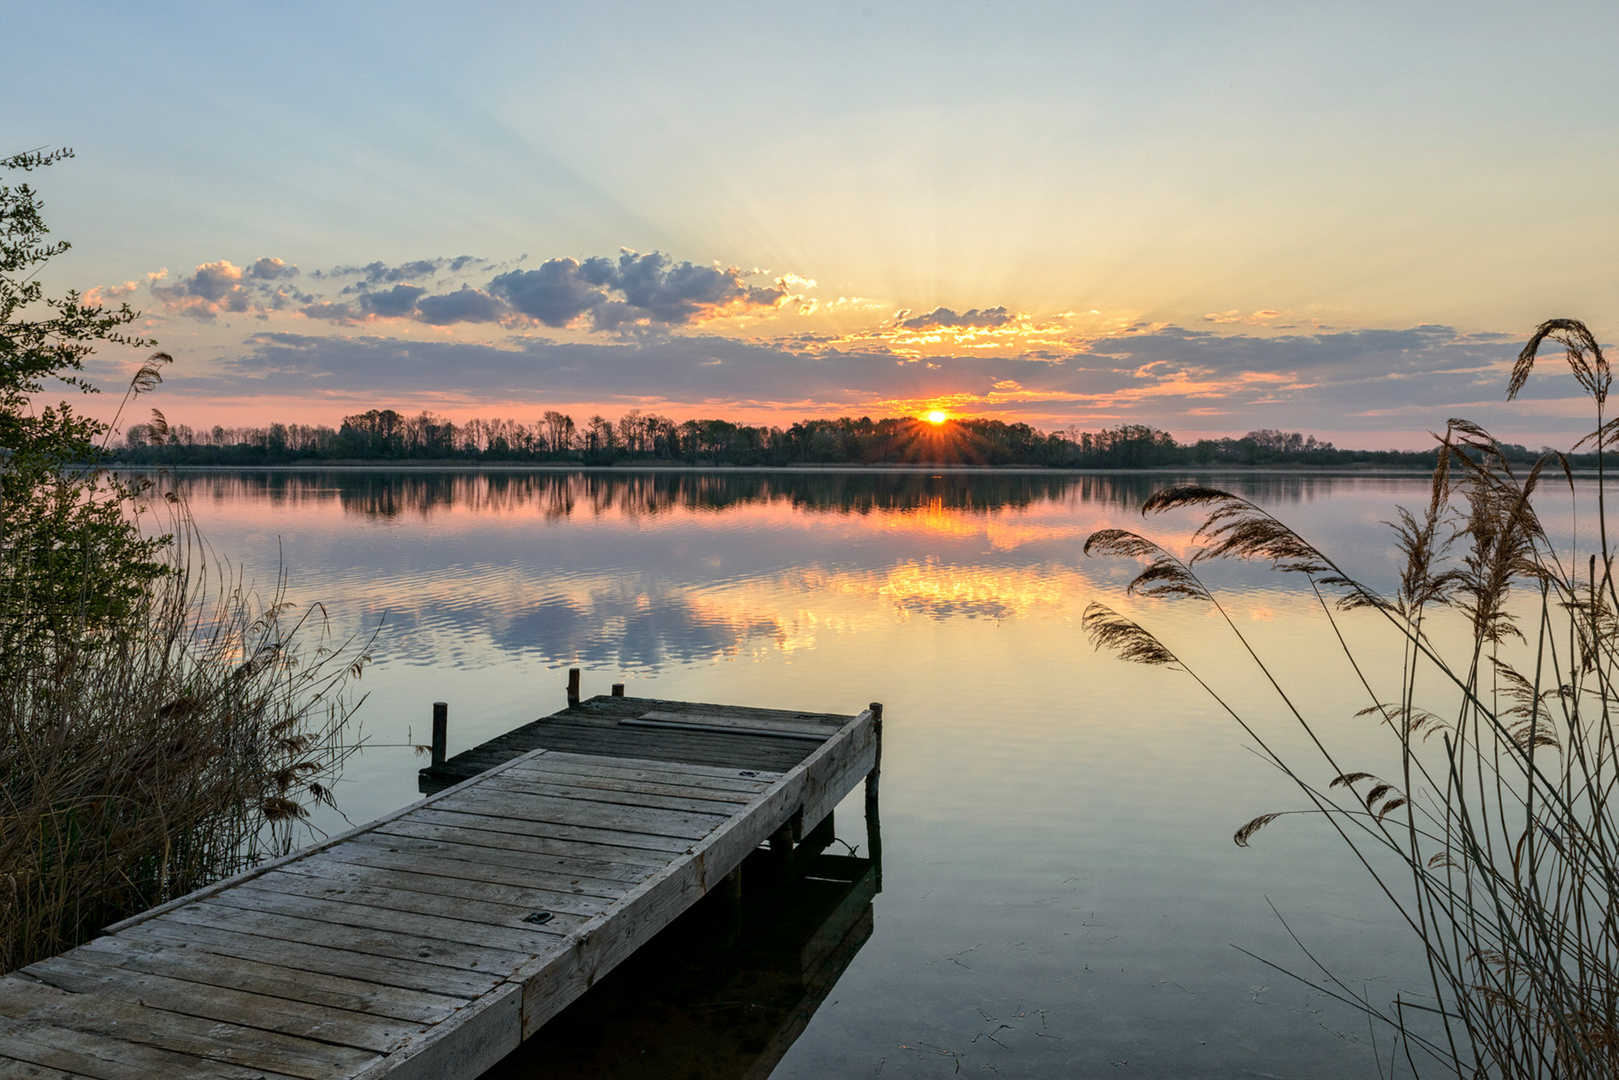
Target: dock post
{"type": "Point", "coordinates": [618, 689]}
{"type": "Point", "coordinates": [732, 891]}
{"type": "Point", "coordinates": [441, 731]}
{"type": "Point", "coordinates": [874, 829]}
{"type": "Point", "coordinates": [781, 853]}
{"type": "Point", "coordinates": [573, 686]}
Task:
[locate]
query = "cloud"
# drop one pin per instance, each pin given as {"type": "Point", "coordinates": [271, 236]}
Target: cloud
{"type": "Point", "coordinates": [380, 273]}
{"type": "Point", "coordinates": [558, 292]}
{"type": "Point", "coordinates": [215, 281]}
{"type": "Point", "coordinates": [331, 312]}
{"type": "Point", "coordinates": [268, 269]}
{"type": "Point", "coordinates": [222, 287]}
{"type": "Point", "coordinates": [398, 302]}
{"type": "Point", "coordinates": [944, 317]}
{"type": "Point", "coordinates": [411, 302]}
{"type": "Point", "coordinates": [638, 290]}
{"type": "Point", "coordinates": [107, 294]}
{"type": "Point", "coordinates": [676, 293]}
{"type": "Point", "coordinates": [811, 305]}
{"type": "Point", "coordinates": [465, 305]}
{"type": "Point", "coordinates": [212, 289]}
{"type": "Point", "coordinates": [1255, 318]}
{"type": "Point", "coordinates": [634, 293]}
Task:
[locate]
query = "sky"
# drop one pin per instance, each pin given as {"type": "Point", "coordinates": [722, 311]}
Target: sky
{"type": "Point", "coordinates": [1343, 219]}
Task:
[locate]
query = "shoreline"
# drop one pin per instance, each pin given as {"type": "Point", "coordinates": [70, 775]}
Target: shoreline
{"type": "Point", "coordinates": [878, 470]}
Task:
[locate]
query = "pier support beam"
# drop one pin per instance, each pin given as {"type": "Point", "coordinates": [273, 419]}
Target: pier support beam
{"type": "Point", "coordinates": [874, 828]}
{"type": "Point", "coordinates": [573, 686]}
{"type": "Point", "coordinates": [781, 853]}
{"type": "Point", "coordinates": [731, 890]}
{"type": "Point", "coordinates": [441, 731]}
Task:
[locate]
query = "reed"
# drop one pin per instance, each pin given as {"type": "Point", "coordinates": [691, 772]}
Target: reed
{"type": "Point", "coordinates": [1495, 837]}
{"type": "Point", "coordinates": [152, 747]}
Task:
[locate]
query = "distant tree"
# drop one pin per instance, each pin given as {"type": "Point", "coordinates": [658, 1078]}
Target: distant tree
{"type": "Point", "coordinates": [599, 435]}
{"type": "Point", "coordinates": [559, 431]}
{"type": "Point", "coordinates": [377, 433]}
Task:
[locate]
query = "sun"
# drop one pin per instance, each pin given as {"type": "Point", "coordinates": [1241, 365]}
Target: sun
{"type": "Point", "coordinates": [937, 416]}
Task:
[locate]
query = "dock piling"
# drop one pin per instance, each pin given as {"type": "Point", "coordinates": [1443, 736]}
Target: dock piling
{"type": "Point", "coordinates": [573, 686]}
{"type": "Point", "coordinates": [874, 828]}
{"type": "Point", "coordinates": [618, 689]}
{"type": "Point", "coordinates": [441, 731]}
{"type": "Point", "coordinates": [781, 853]}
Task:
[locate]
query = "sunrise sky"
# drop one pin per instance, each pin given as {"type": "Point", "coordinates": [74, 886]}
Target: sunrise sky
{"type": "Point", "coordinates": [1336, 218]}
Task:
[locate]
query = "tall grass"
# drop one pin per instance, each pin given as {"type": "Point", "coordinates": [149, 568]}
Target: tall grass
{"type": "Point", "coordinates": [153, 748]}
{"type": "Point", "coordinates": [1496, 835]}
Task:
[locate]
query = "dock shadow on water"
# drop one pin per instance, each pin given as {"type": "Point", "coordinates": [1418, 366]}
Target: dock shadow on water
{"type": "Point", "coordinates": [724, 991]}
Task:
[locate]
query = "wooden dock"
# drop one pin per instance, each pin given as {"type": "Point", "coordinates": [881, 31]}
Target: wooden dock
{"type": "Point", "coordinates": [731, 988]}
{"type": "Point", "coordinates": [432, 941]}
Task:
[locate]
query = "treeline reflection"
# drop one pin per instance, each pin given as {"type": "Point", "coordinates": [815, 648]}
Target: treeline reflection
{"type": "Point", "coordinates": [561, 495]}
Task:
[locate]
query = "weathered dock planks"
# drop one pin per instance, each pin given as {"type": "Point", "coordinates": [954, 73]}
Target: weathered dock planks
{"type": "Point", "coordinates": [432, 941]}
{"type": "Point", "coordinates": [726, 990]}
{"type": "Point", "coordinates": [672, 731]}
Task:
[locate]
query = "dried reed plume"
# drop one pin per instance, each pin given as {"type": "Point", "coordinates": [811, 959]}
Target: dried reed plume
{"type": "Point", "coordinates": [1505, 828]}
{"type": "Point", "coordinates": [146, 755]}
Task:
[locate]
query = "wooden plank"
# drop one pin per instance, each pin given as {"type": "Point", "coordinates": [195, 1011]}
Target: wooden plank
{"type": "Point", "coordinates": [26, 1070]}
{"type": "Point", "coordinates": [191, 961]}
{"type": "Point", "coordinates": [600, 944]}
{"type": "Point", "coordinates": [483, 1033]}
{"type": "Point", "coordinates": [691, 774]}
{"type": "Point", "coordinates": [354, 889]}
{"type": "Point", "coordinates": [597, 859]}
{"type": "Point", "coordinates": [608, 840]}
{"type": "Point", "coordinates": [449, 935]}
{"type": "Point", "coordinates": [742, 785]}
{"type": "Point", "coordinates": [557, 762]}
{"type": "Point", "coordinates": [752, 725]}
{"type": "Point", "coordinates": [392, 972]}
{"type": "Point", "coordinates": [447, 884]}
{"type": "Point", "coordinates": [89, 1054]}
{"type": "Point", "coordinates": [629, 792]}
{"type": "Point", "coordinates": [225, 1043]}
{"type": "Point", "coordinates": [734, 729]}
{"type": "Point", "coordinates": [331, 841]}
{"type": "Point", "coordinates": [493, 865]}
{"type": "Point", "coordinates": [358, 941]}
{"type": "Point", "coordinates": [823, 799]}
{"type": "Point", "coordinates": [496, 800]}
{"type": "Point", "coordinates": [410, 837]}
{"type": "Point", "coordinates": [79, 972]}
{"type": "Point", "coordinates": [631, 706]}
{"type": "Point", "coordinates": [688, 730]}
{"type": "Point", "coordinates": [681, 742]}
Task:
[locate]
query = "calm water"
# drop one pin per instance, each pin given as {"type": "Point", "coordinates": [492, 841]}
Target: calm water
{"type": "Point", "coordinates": [1061, 896]}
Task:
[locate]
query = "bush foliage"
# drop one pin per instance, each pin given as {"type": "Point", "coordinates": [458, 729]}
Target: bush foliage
{"type": "Point", "coordinates": [160, 726]}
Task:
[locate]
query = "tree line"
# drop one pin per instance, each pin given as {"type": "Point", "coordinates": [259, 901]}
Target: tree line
{"type": "Point", "coordinates": [386, 435]}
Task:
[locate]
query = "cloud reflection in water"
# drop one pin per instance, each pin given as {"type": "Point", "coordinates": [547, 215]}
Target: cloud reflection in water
{"type": "Point", "coordinates": [641, 570]}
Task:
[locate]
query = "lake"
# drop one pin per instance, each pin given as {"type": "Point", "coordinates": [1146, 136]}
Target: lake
{"type": "Point", "coordinates": [1061, 896]}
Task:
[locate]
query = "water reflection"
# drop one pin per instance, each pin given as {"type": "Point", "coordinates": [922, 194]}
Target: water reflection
{"type": "Point", "coordinates": [642, 570]}
{"type": "Point", "coordinates": [722, 993]}
{"type": "Point", "coordinates": [1058, 824]}
{"type": "Point", "coordinates": [555, 494]}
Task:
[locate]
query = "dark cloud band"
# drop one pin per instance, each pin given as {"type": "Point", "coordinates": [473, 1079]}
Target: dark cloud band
{"type": "Point", "coordinates": [1172, 377]}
